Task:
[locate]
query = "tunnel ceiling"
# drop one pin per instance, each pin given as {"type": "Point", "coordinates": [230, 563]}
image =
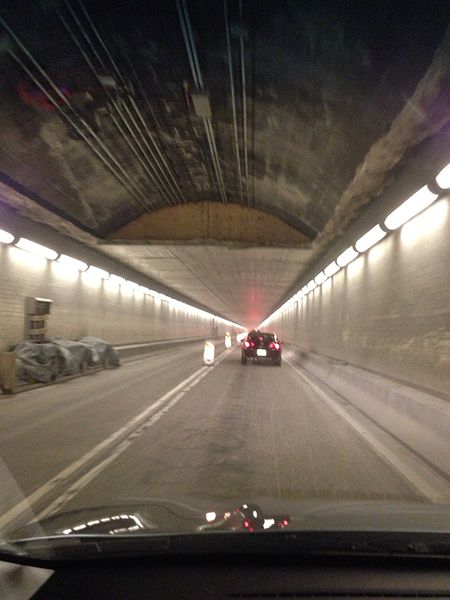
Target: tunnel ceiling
{"type": "Point", "coordinates": [109, 114]}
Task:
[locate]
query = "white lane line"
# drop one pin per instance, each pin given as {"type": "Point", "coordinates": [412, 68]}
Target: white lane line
{"type": "Point", "coordinates": [427, 483]}
{"type": "Point", "coordinates": [26, 505]}
{"type": "Point", "coordinates": [76, 487]}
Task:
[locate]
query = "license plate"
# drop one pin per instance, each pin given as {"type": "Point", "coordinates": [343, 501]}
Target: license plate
{"type": "Point", "coordinates": [261, 352]}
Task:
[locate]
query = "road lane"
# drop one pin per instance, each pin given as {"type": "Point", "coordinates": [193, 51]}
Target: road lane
{"type": "Point", "coordinates": [246, 432]}
{"type": "Point", "coordinates": [46, 429]}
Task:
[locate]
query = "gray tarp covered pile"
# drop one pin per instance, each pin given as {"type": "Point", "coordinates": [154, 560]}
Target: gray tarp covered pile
{"type": "Point", "coordinates": [107, 353]}
{"type": "Point", "coordinates": [43, 362]}
{"type": "Point", "coordinates": [74, 355]}
{"type": "Point", "coordinates": [37, 362]}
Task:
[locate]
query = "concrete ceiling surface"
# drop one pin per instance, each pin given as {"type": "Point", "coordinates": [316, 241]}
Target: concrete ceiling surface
{"type": "Point", "coordinates": [303, 111]}
{"type": "Point", "coordinates": [242, 283]}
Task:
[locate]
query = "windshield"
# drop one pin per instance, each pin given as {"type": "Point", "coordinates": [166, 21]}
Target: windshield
{"type": "Point", "coordinates": [224, 268]}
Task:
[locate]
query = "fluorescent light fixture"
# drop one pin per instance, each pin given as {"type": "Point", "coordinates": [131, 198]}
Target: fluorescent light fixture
{"type": "Point", "coordinates": [332, 269]}
{"type": "Point", "coordinates": [97, 272]}
{"type": "Point", "coordinates": [6, 237]}
{"type": "Point", "coordinates": [72, 263]}
{"type": "Point", "coordinates": [320, 278]}
{"type": "Point", "coordinates": [346, 257]}
{"type": "Point", "coordinates": [410, 208]}
{"type": "Point", "coordinates": [305, 290]}
{"type": "Point", "coordinates": [144, 289]}
{"type": "Point", "coordinates": [370, 238]}
{"type": "Point", "coordinates": [37, 249]}
{"type": "Point", "coordinates": [131, 285]}
{"type": "Point", "coordinates": [312, 285]}
{"type": "Point", "coordinates": [443, 178]}
{"type": "Point", "coordinates": [117, 280]}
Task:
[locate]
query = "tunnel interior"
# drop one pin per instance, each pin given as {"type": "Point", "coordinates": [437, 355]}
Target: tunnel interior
{"type": "Point", "coordinates": [220, 152]}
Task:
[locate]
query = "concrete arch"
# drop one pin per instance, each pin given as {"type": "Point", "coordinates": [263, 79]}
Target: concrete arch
{"type": "Point", "coordinates": [210, 222]}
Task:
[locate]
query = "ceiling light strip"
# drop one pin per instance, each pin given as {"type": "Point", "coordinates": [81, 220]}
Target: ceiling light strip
{"type": "Point", "coordinates": [410, 208]}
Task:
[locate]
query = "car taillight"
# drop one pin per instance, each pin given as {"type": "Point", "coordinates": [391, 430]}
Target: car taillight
{"type": "Point", "coordinates": [246, 344]}
{"type": "Point", "coordinates": [274, 345]}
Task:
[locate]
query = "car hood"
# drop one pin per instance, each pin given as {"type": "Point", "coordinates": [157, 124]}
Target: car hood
{"type": "Point", "coordinates": [164, 516]}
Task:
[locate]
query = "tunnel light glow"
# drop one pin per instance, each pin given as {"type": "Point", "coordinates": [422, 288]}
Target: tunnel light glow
{"type": "Point", "coordinates": [27, 259]}
{"type": "Point", "coordinates": [332, 269]}
{"type": "Point", "coordinates": [6, 237]}
{"type": "Point", "coordinates": [370, 238]}
{"type": "Point", "coordinates": [117, 280]}
{"type": "Point", "coordinates": [36, 249]}
{"type": "Point", "coordinates": [320, 278]}
{"type": "Point", "coordinates": [312, 285]}
{"type": "Point", "coordinates": [346, 257]}
{"type": "Point", "coordinates": [410, 208]}
{"type": "Point", "coordinates": [443, 178]}
{"type": "Point", "coordinates": [72, 263]}
{"type": "Point", "coordinates": [429, 222]}
{"type": "Point", "coordinates": [63, 272]}
{"type": "Point", "coordinates": [305, 290]}
{"type": "Point", "coordinates": [144, 289]}
{"type": "Point", "coordinates": [97, 272]}
{"type": "Point", "coordinates": [131, 285]}
{"type": "Point", "coordinates": [210, 516]}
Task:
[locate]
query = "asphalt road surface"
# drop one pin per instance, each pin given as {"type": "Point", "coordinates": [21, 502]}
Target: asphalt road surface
{"type": "Point", "coordinates": [167, 427]}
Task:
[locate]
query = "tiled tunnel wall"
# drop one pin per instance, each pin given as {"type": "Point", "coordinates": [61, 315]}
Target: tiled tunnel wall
{"type": "Point", "coordinates": [83, 306]}
{"type": "Point", "coordinates": [388, 310]}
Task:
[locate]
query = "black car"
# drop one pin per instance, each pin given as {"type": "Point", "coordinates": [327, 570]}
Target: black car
{"type": "Point", "coordinates": [261, 346]}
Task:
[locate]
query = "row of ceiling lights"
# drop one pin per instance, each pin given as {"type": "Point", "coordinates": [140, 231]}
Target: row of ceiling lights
{"type": "Point", "coordinates": [398, 217]}
{"type": "Point", "coordinates": [78, 265]}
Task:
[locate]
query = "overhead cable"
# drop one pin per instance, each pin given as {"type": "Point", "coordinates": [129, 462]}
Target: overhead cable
{"type": "Point", "coordinates": [167, 185]}
{"type": "Point", "coordinates": [244, 99]}
{"type": "Point", "coordinates": [233, 101]}
{"type": "Point", "coordinates": [134, 190]}
{"type": "Point", "coordinates": [186, 28]}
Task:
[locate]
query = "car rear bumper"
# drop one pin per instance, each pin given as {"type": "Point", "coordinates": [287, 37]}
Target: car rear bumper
{"type": "Point", "coordinates": [271, 355]}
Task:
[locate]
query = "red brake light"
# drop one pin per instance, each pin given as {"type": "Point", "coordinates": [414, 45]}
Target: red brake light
{"type": "Point", "coordinates": [252, 344]}
{"type": "Point", "coordinates": [246, 524]}
{"type": "Point", "coordinates": [275, 345]}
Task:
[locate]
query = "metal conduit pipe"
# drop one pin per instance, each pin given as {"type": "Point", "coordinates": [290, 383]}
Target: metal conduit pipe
{"type": "Point", "coordinates": [213, 150]}
{"type": "Point", "coordinates": [155, 145]}
{"type": "Point", "coordinates": [188, 36]}
{"type": "Point", "coordinates": [244, 99]}
{"type": "Point", "coordinates": [161, 186]}
{"type": "Point", "coordinates": [68, 105]}
{"type": "Point", "coordinates": [94, 71]}
{"type": "Point", "coordinates": [98, 36]}
{"type": "Point", "coordinates": [233, 100]}
{"type": "Point", "coordinates": [135, 194]}
{"type": "Point", "coordinates": [83, 32]}
{"type": "Point", "coordinates": [175, 191]}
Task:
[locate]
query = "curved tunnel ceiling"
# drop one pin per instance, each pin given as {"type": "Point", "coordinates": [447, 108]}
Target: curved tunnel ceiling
{"type": "Point", "coordinates": [110, 114]}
